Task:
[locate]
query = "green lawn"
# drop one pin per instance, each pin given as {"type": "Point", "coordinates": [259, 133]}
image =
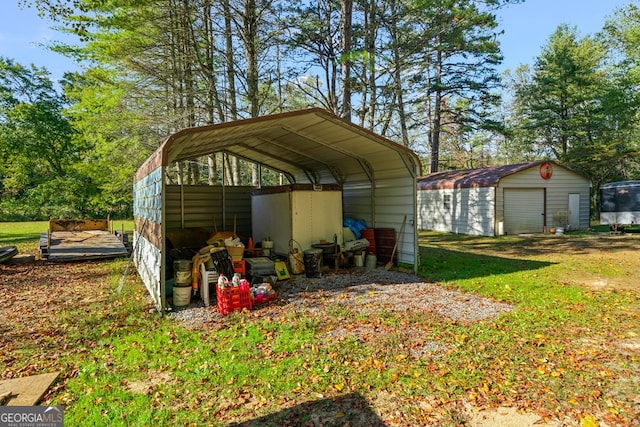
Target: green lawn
{"type": "Point", "coordinates": [568, 352]}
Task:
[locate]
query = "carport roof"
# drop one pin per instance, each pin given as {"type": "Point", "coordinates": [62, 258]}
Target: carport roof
{"type": "Point", "coordinates": [308, 146]}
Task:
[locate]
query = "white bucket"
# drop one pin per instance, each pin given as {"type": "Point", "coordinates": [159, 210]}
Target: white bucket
{"type": "Point", "coordinates": [371, 261]}
{"type": "Point", "coordinates": [181, 296]}
{"type": "Point", "coordinates": [358, 259]}
{"type": "Point", "coordinates": [267, 247]}
{"type": "Point", "coordinates": [559, 230]}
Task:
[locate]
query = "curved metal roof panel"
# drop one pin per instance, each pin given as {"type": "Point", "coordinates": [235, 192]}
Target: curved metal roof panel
{"type": "Point", "coordinates": [309, 146]}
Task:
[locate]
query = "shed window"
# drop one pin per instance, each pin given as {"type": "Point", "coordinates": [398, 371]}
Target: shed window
{"type": "Point", "coordinates": [447, 201]}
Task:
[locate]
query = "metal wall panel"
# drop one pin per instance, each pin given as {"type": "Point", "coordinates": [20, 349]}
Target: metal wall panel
{"type": "Point", "coordinates": [383, 203]}
{"type": "Point", "coordinates": [147, 242]}
{"type": "Point", "coordinates": [147, 197]}
{"type": "Point", "coordinates": [148, 261]}
{"type": "Point", "coordinates": [209, 207]}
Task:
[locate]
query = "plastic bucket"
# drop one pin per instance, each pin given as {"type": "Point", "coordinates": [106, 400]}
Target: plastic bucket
{"type": "Point", "coordinates": [312, 262]}
{"type": "Point", "coordinates": [236, 252]}
{"type": "Point", "coordinates": [267, 248]}
{"type": "Point", "coordinates": [371, 261]}
{"type": "Point", "coordinates": [358, 259]}
{"type": "Point", "coordinates": [182, 272]}
{"type": "Point", "coordinates": [181, 296]}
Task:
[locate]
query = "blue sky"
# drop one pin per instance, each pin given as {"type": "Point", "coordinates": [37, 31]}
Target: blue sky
{"type": "Point", "coordinates": [527, 27]}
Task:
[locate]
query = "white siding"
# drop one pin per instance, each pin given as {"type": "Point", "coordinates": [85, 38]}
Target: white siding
{"type": "Point", "coordinates": [469, 211]}
{"type": "Point", "coordinates": [558, 187]}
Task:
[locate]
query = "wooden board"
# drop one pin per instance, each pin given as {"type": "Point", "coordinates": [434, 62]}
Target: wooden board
{"type": "Point", "coordinates": [78, 225]}
{"type": "Point", "coordinates": [26, 391]}
{"type": "Point", "coordinates": [84, 245]}
{"type": "Point", "coordinates": [22, 259]}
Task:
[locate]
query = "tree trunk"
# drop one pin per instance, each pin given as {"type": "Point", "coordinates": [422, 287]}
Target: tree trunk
{"type": "Point", "coordinates": [397, 73]}
{"type": "Point", "coordinates": [437, 115]}
{"type": "Point", "coordinates": [347, 18]}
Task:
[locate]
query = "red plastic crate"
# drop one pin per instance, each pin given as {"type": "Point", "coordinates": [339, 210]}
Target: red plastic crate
{"type": "Point", "coordinates": [233, 299]}
{"type": "Point", "coordinates": [263, 299]}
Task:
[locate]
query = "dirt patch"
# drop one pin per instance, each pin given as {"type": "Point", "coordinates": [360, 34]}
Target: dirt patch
{"type": "Point", "coordinates": [505, 417]}
{"type": "Point", "coordinates": [147, 385]}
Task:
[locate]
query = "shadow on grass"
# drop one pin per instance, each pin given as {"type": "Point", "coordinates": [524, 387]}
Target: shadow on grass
{"type": "Point", "coordinates": [443, 265]}
{"type": "Point", "coordinates": [13, 238]}
{"type": "Point", "coordinates": [348, 410]}
{"type": "Point", "coordinates": [532, 245]}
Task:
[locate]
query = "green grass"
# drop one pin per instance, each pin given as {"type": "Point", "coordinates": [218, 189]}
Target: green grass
{"type": "Point", "coordinates": [557, 352]}
{"type": "Point", "coordinates": [23, 235]}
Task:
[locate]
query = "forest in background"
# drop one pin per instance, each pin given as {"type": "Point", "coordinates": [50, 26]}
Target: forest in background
{"type": "Point", "coordinates": [420, 72]}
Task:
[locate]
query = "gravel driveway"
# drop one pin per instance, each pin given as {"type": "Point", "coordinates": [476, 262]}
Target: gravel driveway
{"type": "Point", "coordinates": [362, 291]}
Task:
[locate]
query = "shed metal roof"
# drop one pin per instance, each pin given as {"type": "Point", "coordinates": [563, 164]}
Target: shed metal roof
{"type": "Point", "coordinates": [471, 178]}
{"type": "Point", "coordinates": [308, 146]}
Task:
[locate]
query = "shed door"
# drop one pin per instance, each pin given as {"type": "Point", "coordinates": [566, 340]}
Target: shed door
{"type": "Point", "coordinates": [523, 210]}
{"type": "Point", "coordinates": [574, 211]}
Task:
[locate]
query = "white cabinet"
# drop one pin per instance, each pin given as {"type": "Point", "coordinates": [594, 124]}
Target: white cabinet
{"type": "Point", "coordinates": [304, 213]}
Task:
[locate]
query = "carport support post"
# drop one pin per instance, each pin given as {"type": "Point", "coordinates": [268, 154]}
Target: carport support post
{"type": "Point", "coordinates": [181, 181]}
{"type": "Point", "coordinates": [224, 194]}
{"type": "Point", "coordinates": [163, 241]}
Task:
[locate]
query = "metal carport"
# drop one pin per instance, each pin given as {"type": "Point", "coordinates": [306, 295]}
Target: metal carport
{"type": "Point", "coordinates": [313, 146]}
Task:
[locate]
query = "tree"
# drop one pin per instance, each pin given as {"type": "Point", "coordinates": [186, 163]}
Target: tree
{"type": "Point", "coordinates": [563, 99]}
{"type": "Point", "coordinates": [621, 36]}
{"type": "Point", "coordinates": [579, 106]}
{"type": "Point", "coordinates": [457, 60]}
{"type": "Point", "coordinates": [38, 146]}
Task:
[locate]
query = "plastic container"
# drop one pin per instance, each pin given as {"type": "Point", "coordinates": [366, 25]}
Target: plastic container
{"type": "Point", "coordinates": [267, 248]}
{"type": "Point", "coordinates": [181, 296]}
{"type": "Point", "coordinates": [371, 261]}
{"type": "Point", "coordinates": [370, 235]}
{"type": "Point", "coordinates": [358, 259]}
{"type": "Point", "coordinates": [312, 262]}
{"type": "Point", "coordinates": [236, 252]}
{"type": "Point", "coordinates": [182, 272]}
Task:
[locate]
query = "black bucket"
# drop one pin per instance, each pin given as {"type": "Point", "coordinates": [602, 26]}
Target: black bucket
{"type": "Point", "coordinates": [312, 262]}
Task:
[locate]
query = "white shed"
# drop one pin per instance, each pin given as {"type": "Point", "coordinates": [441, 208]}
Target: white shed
{"type": "Point", "coordinates": [312, 148]}
{"type": "Point", "coordinates": [512, 199]}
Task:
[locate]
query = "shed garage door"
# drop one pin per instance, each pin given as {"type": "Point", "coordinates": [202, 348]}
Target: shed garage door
{"type": "Point", "coordinates": [523, 210]}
